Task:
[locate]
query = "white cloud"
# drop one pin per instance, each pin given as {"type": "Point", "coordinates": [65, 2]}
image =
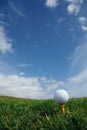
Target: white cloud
{"type": "Point", "coordinates": [21, 73]}
{"type": "Point", "coordinates": [75, 1]}
{"type": "Point", "coordinates": [51, 3]}
{"type": "Point", "coordinates": [5, 42]}
{"type": "Point", "coordinates": [27, 87]}
{"type": "Point", "coordinates": [83, 22]}
{"type": "Point", "coordinates": [84, 28]}
{"type": "Point", "coordinates": [14, 85]}
{"type": "Point", "coordinates": [41, 87]}
{"type": "Point", "coordinates": [74, 6]}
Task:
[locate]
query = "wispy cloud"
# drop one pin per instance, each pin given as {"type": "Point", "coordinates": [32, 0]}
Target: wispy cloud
{"type": "Point", "coordinates": [74, 6]}
{"type": "Point", "coordinates": [1, 15]}
{"type": "Point", "coordinates": [25, 65]}
{"type": "Point", "coordinates": [6, 68]}
{"type": "Point", "coordinates": [15, 9]}
{"type": "Point", "coordinates": [76, 85]}
{"type": "Point", "coordinates": [48, 24]}
{"type": "Point", "coordinates": [51, 3]}
{"type": "Point", "coordinates": [59, 22]}
{"type": "Point", "coordinates": [5, 42]}
{"type": "Point", "coordinates": [71, 29]}
{"type": "Point", "coordinates": [4, 23]}
{"type": "Point", "coordinates": [79, 56]}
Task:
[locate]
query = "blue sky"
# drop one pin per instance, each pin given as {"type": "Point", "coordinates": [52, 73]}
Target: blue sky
{"type": "Point", "coordinates": [43, 47]}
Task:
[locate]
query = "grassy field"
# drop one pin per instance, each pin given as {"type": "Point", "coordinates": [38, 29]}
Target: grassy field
{"type": "Point", "coordinates": [27, 114]}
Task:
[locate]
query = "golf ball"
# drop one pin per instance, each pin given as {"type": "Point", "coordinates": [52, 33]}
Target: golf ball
{"type": "Point", "coordinates": [61, 96]}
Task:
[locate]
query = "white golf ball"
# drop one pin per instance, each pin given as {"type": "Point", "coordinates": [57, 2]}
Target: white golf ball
{"type": "Point", "coordinates": [61, 96]}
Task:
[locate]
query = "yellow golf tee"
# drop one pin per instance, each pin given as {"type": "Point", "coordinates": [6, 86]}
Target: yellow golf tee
{"type": "Point", "coordinates": [62, 108]}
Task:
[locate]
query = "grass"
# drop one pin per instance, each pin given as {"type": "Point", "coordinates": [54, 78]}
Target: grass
{"type": "Point", "coordinates": [27, 114]}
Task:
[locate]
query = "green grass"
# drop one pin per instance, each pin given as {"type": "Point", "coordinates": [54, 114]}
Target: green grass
{"type": "Point", "coordinates": [27, 114]}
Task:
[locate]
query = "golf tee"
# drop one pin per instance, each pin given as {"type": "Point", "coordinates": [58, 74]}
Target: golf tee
{"type": "Point", "coordinates": [62, 108]}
